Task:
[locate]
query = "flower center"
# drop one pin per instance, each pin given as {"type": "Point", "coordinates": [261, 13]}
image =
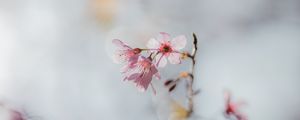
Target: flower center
{"type": "Point", "coordinates": [145, 64]}
{"type": "Point", "coordinates": [230, 109]}
{"type": "Point", "coordinates": [165, 48]}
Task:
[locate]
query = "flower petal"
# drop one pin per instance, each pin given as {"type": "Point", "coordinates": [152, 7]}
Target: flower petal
{"type": "Point", "coordinates": [143, 81]}
{"type": "Point", "coordinates": [155, 72]}
{"type": "Point", "coordinates": [174, 58]}
{"type": "Point", "coordinates": [125, 68]}
{"type": "Point", "coordinates": [153, 44]}
{"type": "Point", "coordinates": [163, 37]}
{"type": "Point", "coordinates": [157, 76]}
{"type": "Point", "coordinates": [118, 58]}
{"type": "Point", "coordinates": [133, 59]}
{"type": "Point", "coordinates": [160, 60]}
{"type": "Point", "coordinates": [121, 45]}
{"type": "Point", "coordinates": [16, 115]}
{"type": "Point", "coordinates": [179, 42]}
{"type": "Point", "coordinates": [133, 76]}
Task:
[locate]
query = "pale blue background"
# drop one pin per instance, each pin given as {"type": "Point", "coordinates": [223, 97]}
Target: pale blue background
{"type": "Point", "coordinates": [55, 57]}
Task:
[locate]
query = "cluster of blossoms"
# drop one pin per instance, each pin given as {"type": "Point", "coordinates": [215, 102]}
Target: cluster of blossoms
{"type": "Point", "coordinates": [139, 68]}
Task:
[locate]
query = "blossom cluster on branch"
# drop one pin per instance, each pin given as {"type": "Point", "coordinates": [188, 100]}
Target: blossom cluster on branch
{"type": "Point", "coordinates": [141, 65]}
{"type": "Point", "coordinates": [139, 68]}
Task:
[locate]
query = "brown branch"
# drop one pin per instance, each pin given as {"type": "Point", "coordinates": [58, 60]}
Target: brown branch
{"type": "Point", "coordinates": [190, 90]}
{"type": "Point", "coordinates": [189, 76]}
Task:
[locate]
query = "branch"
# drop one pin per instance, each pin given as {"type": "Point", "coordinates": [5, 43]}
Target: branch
{"type": "Point", "coordinates": [190, 89]}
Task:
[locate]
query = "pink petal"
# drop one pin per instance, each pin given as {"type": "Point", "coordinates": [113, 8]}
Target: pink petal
{"type": "Point", "coordinates": [128, 67]}
{"type": "Point", "coordinates": [141, 88]}
{"type": "Point", "coordinates": [133, 59]}
{"type": "Point", "coordinates": [143, 82]}
{"type": "Point", "coordinates": [153, 69]}
{"type": "Point", "coordinates": [118, 57]}
{"type": "Point", "coordinates": [161, 60]}
{"type": "Point", "coordinates": [121, 45]}
{"type": "Point", "coordinates": [133, 76]}
{"type": "Point", "coordinates": [179, 42]}
{"type": "Point", "coordinates": [174, 58]}
{"type": "Point", "coordinates": [17, 115]}
{"type": "Point", "coordinates": [164, 37]}
{"type": "Point", "coordinates": [125, 68]}
{"type": "Point", "coordinates": [157, 76]}
{"type": "Point", "coordinates": [155, 72]}
{"type": "Point", "coordinates": [153, 44]}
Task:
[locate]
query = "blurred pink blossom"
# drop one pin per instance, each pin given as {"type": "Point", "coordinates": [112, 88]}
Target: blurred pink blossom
{"type": "Point", "coordinates": [232, 108]}
{"type": "Point", "coordinates": [16, 115]}
{"type": "Point", "coordinates": [12, 112]}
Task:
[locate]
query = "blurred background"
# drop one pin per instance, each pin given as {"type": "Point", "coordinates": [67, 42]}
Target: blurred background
{"type": "Point", "coordinates": [55, 56]}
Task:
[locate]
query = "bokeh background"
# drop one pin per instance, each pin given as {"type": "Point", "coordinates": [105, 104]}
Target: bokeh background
{"type": "Point", "coordinates": [55, 56]}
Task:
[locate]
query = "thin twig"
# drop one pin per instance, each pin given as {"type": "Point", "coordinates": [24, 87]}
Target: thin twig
{"type": "Point", "coordinates": [190, 89]}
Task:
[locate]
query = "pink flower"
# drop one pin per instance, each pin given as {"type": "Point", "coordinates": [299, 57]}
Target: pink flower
{"type": "Point", "coordinates": [232, 108]}
{"type": "Point", "coordinates": [13, 113]}
{"type": "Point", "coordinates": [16, 115]}
{"type": "Point", "coordinates": [141, 73]}
{"type": "Point", "coordinates": [125, 53]}
{"type": "Point", "coordinates": [167, 48]}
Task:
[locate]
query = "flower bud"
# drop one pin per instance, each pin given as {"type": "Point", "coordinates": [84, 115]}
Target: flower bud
{"type": "Point", "coordinates": [137, 50]}
{"type": "Point", "coordinates": [168, 82]}
{"type": "Point", "coordinates": [172, 88]}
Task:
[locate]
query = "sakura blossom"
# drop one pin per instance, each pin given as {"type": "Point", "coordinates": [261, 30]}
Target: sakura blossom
{"type": "Point", "coordinates": [140, 70]}
{"type": "Point", "coordinates": [141, 73]}
{"type": "Point", "coordinates": [17, 115]}
{"type": "Point", "coordinates": [232, 108]}
{"type": "Point", "coordinates": [167, 48]}
{"type": "Point", "coordinates": [125, 53]}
